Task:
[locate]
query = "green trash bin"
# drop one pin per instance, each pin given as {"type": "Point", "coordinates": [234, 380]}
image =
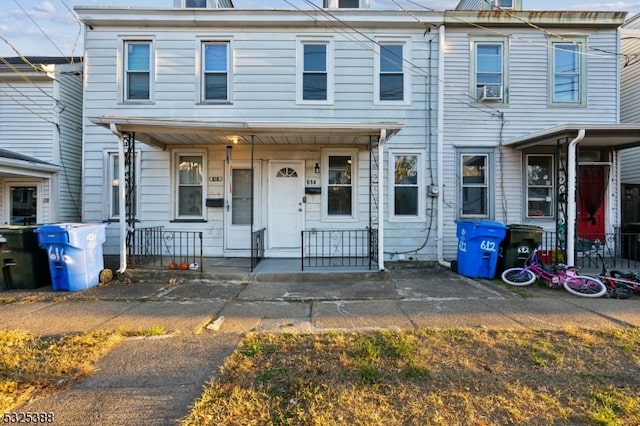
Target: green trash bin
{"type": "Point", "coordinates": [24, 263]}
{"type": "Point", "coordinates": [518, 245]}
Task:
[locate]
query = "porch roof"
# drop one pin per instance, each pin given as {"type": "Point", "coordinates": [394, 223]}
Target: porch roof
{"type": "Point", "coordinates": [616, 136]}
{"type": "Point", "coordinates": [163, 132]}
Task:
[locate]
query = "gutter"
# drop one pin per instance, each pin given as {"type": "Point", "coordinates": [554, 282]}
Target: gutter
{"type": "Point", "coordinates": [439, 149]}
{"type": "Point", "coordinates": [121, 195]}
{"type": "Point", "coordinates": [571, 196]}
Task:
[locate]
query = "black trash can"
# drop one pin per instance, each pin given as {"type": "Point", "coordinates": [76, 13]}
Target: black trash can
{"type": "Point", "coordinates": [24, 263]}
{"type": "Point", "coordinates": [518, 245]}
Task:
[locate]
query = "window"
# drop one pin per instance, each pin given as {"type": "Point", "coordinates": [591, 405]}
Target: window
{"type": "Point", "coordinates": [391, 75]}
{"type": "Point", "coordinates": [23, 207]}
{"type": "Point", "coordinates": [137, 84]}
{"type": "Point", "coordinates": [215, 71]}
{"type": "Point", "coordinates": [353, 4]}
{"type": "Point", "coordinates": [406, 189]}
{"type": "Point", "coordinates": [340, 184]}
{"type": "Point", "coordinates": [315, 79]}
{"type": "Point", "coordinates": [195, 3]}
{"type": "Point", "coordinates": [190, 178]}
{"type": "Point", "coordinates": [504, 4]}
{"type": "Point", "coordinates": [113, 176]}
{"type": "Point", "coordinates": [475, 191]}
{"type": "Point", "coordinates": [567, 72]}
{"type": "Point", "coordinates": [540, 186]}
{"type": "Point", "coordinates": [489, 70]}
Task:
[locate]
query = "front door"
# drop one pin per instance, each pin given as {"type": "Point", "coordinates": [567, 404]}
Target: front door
{"type": "Point", "coordinates": [238, 207]}
{"type": "Point", "coordinates": [286, 207]}
{"type": "Point", "coordinates": [592, 189]}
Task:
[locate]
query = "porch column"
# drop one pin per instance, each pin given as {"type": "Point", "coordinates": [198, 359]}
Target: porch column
{"type": "Point", "coordinates": [572, 165]}
{"type": "Point", "coordinates": [121, 196]}
{"type": "Point", "coordinates": [383, 138]}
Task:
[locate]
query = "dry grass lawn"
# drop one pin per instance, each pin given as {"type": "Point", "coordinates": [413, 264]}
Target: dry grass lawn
{"type": "Point", "coordinates": [428, 377]}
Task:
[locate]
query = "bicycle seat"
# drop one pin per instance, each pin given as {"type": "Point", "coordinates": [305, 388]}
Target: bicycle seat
{"type": "Point", "coordinates": [619, 274]}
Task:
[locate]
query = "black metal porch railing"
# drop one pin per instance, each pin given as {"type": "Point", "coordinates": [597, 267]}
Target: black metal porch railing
{"type": "Point", "coordinates": [155, 246]}
{"type": "Point", "coordinates": [257, 247]}
{"type": "Point", "coordinates": [619, 250]}
{"type": "Point", "coordinates": [339, 248]}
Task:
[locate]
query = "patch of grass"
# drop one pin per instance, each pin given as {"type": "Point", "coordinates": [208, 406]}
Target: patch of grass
{"type": "Point", "coordinates": [32, 366]}
{"type": "Point", "coordinates": [428, 377]}
{"type": "Point", "coordinates": [154, 330]}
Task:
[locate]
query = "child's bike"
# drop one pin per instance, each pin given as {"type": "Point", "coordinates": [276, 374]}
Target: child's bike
{"type": "Point", "coordinates": [559, 276]}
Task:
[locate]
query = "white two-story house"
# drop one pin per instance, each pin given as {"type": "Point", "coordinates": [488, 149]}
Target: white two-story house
{"type": "Point", "coordinates": [531, 129]}
{"type": "Point", "coordinates": [312, 131]}
{"type": "Point", "coordinates": [40, 140]}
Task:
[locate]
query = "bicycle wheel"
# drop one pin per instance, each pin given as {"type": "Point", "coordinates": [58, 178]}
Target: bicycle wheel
{"type": "Point", "coordinates": [622, 291]}
{"type": "Point", "coordinates": [581, 285]}
{"type": "Point", "coordinates": [518, 276]}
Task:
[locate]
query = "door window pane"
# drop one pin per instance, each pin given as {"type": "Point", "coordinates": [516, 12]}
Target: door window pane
{"type": "Point", "coordinates": [24, 202]}
{"type": "Point", "coordinates": [241, 197]}
{"type": "Point", "coordinates": [475, 188]}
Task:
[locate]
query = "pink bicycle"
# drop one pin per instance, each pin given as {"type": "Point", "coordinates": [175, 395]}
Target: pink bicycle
{"type": "Point", "coordinates": [559, 276]}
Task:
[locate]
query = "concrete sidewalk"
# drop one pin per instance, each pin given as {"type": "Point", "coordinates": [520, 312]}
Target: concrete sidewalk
{"type": "Point", "coordinates": [154, 381]}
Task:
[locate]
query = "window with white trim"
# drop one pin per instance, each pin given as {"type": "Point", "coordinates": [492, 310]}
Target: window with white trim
{"type": "Point", "coordinates": [339, 184]}
{"type": "Point", "coordinates": [315, 71]}
{"type": "Point", "coordinates": [489, 70]}
{"type": "Point", "coordinates": [567, 73]}
{"type": "Point", "coordinates": [215, 75]}
{"type": "Point", "coordinates": [190, 177]}
{"type": "Point", "coordinates": [392, 82]}
{"type": "Point", "coordinates": [113, 183]}
{"type": "Point", "coordinates": [407, 191]}
{"type": "Point", "coordinates": [138, 58]}
{"type": "Point", "coordinates": [475, 193]}
{"type": "Point", "coordinates": [540, 185]}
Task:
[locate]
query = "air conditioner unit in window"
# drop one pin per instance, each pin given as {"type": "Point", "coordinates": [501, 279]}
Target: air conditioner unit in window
{"type": "Point", "coordinates": [490, 92]}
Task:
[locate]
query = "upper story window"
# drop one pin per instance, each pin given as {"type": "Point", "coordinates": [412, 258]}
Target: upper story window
{"type": "Point", "coordinates": [215, 72]}
{"type": "Point", "coordinates": [567, 72]}
{"type": "Point", "coordinates": [315, 79]}
{"type": "Point", "coordinates": [346, 4]}
{"type": "Point", "coordinates": [195, 3]}
{"type": "Point", "coordinates": [137, 70]}
{"type": "Point", "coordinates": [504, 4]}
{"type": "Point", "coordinates": [392, 83]}
{"type": "Point", "coordinates": [391, 74]}
{"type": "Point", "coordinates": [489, 70]}
{"type": "Point", "coordinates": [202, 3]}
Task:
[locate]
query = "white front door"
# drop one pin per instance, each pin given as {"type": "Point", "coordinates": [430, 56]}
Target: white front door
{"type": "Point", "coordinates": [286, 207]}
{"type": "Point", "coordinates": [238, 207]}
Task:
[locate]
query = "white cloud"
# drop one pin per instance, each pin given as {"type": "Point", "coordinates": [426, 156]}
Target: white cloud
{"type": "Point", "coordinates": [45, 7]}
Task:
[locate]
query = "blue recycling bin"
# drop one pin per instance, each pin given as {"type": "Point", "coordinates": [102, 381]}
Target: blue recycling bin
{"type": "Point", "coordinates": [478, 247]}
{"type": "Point", "coordinates": [75, 254]}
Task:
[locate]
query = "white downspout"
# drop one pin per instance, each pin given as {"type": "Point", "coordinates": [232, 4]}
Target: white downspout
{"type": "Point", "coordinates": [571, 196]}
{"type": "Point", "coordinates": [440, 153]}
{"type": "Point", "coordinates": [383, 139]}
{"type": "Point", "coordinates": [121, 195]}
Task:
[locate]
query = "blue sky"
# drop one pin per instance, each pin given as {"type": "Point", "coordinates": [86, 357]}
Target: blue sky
{"type": "Point", "coordinates": [49, 27]}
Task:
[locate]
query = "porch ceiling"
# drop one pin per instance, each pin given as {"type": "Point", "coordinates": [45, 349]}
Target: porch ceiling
{"type": "Point", "coordinates": [163, 132]}
{"type": "Point", "coordinates": [616, 136]}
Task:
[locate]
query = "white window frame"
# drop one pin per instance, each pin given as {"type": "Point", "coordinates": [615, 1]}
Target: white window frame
{"type": "Point", "coordinates": [488, 184]}
{"type": "Point", "coordinates": [328, 42]}
{"type": "Point", "coordinates": [124, 72]}
{"type": "Point", "coordinates": [110, 159]}
{"type": "Point", "coordinates": [556, 43]}
{"type": "Point", "coordinates": [406, 59]}
{"type": "Point", "coordinates": [489, 40]}
{"type": "Point", "coordinates": [200, 63]}
{"type": "Point", "coordinates": [335, 4]}
{"type": "Point", "coordinates": [355, 208]}
{"type": "Point", "coordinates": [175, 182]}
{"type": "Point", "coordinates": [501, 4]}
{"type": "Point", "coordinates": [19, 183]}
{"type": "Point", "coordinates": [551, 187]}
{"type": "Point", "coordinates": [393, 154]}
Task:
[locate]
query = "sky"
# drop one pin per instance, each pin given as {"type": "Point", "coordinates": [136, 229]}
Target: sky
{"type": "Point", "coordinates": [51, 28]}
